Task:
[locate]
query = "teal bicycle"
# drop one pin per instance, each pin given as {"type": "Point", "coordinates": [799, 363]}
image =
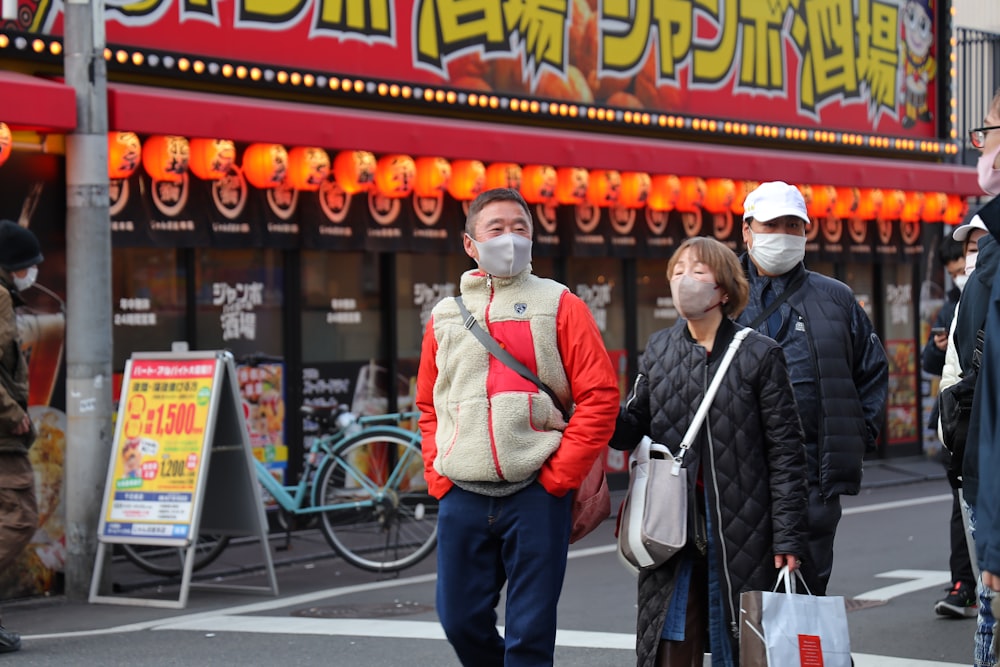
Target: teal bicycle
{"type": "Point", "coordinates": [363, 479]}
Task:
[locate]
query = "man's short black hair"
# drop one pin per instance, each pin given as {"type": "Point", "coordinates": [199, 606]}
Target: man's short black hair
{"type": "Point", "coordinates": [950, 250]}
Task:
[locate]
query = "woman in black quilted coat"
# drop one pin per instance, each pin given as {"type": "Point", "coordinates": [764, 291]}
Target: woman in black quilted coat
{"type": "Point", "coordinates": [746, 469]}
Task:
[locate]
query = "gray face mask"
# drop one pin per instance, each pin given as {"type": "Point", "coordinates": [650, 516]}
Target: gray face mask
{"type": "Point", "coordinates": [503, 256]}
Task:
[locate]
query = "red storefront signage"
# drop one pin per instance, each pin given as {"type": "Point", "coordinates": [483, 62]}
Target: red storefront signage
{"type": "Point", "coordinates": [866, 66]}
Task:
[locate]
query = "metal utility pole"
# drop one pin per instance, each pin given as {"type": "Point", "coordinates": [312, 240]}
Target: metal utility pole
{"type": "Point", "coordinates": [88, 289]}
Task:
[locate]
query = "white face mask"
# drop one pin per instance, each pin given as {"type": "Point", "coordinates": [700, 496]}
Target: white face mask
{"type": "Point", "coordinates": [27, 280]}
{"type": "Point", "coordinates": [693, 298]}
{"type": "Point", "coordinates": [989, 177]}
{"type": "Point", "coordinates": [960, 282]}
{"type": "Point", "coordinates": [777, 254]}
{"type": "Point", "coordinates": [505, 255]}
{"type": "Point", "coordinates": [970, 262]}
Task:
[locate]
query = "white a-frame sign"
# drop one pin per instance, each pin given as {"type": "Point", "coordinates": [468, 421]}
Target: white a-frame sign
{"type": "Point", "coordinates": [181, 466]}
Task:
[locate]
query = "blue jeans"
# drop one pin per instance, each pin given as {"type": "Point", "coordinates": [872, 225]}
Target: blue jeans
{"type": "Point", "coordinates": [484, 542]}
{"type": "Point", "coordinates": [984, 655]}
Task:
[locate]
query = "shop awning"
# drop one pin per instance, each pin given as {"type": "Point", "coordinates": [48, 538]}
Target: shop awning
{"type": "Point", "coordinates": [31, 103]}
{"type": "Point", "coordinates": [148, 110]}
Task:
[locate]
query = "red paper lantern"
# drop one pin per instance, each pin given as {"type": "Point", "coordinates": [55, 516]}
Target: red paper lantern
{"type": "Point", "coordinates": [354, 171]}
{"type": "Point", "coordinates": [604, 187]}
{"type": "Point", "coordinates": [395, 175]}
{"type": "Point", "coordinates": [265, 165]}
{"type": "Point", "coordinates": [571, 185]}
{"type": "Point", "coordinates": [635, 189]}
{"type": "Point", "coordinates": [664, 190]}
{"type": "Point", "coordinates": [892, 205]}
{"type": "Point", "coordinates": [124, 154]}
{"type": "Point", "coordinates": [743, 190]}
{"type": "Point", "coordinates": [165, 157]}
{"type": "Point", "coordinates": [211, 159]}
{"type": "Point", "coordinates": [913, 207]}
{"type": "Point", "coordinates": [503, 175]}
{"type": "Point", "coordinates": [308, 168]}
{"type": "Point", "coordinates": [692, 195]}
{"type": "Point", "coordinates": [538, 183]}
{"type": "Point", "coordinates": [468, 179]}
{"type": "Point", "coordinates": [935, 204]}
{"type": "Point", "coordinates": [6, 141]}
{"type": "Point", "coordinates": [433, 176]}
{"type": "Point", "coordinates": [848, 202]}
{"type": "Point", "coordinates": [824, 198]}
{"type": "Point", "coordinates": [869, 203]}
{"type": "Point", "coordinates": [955, 213]}
{"type": "Point", "coordinates": [719, 194]}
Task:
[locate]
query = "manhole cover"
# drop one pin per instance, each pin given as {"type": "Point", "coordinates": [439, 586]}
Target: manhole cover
{"type": "Point", "coordinates": [854, 604]}
{"type": "Point", "coordinates": [384, 610]}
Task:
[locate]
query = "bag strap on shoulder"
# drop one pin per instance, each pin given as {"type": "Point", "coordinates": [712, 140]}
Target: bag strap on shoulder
{"type": "Point", "coordinates": [706, 402]}
{"type": "Point", "coordinates": [790, 289]}
{"type": "Point", "coordinates": [491, 344]}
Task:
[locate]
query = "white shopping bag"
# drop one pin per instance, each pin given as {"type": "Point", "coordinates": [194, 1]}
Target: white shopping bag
{"type": "Point", "coordinates": [804, 630]}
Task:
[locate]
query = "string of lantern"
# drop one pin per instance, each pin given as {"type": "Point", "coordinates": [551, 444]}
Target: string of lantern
{"type": "Point", "coordinates": [169, 157]}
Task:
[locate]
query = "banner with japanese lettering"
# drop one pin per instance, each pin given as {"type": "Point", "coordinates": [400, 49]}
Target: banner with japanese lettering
{"type": "Point", "coordinates": [332, 219]}
{"type": "Point", "coordinates": [868, 65]}
{"type": "Point", "coordinates": [659, 233]}
{"type": "Point", "coordinates": [438, 223]}
{"type": "Point", "coordinates": [549, 234]}
{"type": "Point", "coordinates": [390, 223]}
{"type": "Point", "coordinates": [587, 229]}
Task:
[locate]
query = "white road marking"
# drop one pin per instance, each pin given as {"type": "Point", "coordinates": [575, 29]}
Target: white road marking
{"type": "Point", "coordinates": [896, 504]}
{"type": "Point", "coordinates": [918, 581]}
{"type": "Point", "coordinates": [429, 630]}
{"type": "Point", "coordinates": [232, 620]}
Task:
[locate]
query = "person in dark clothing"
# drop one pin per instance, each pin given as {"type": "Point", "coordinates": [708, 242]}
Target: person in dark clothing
{"type": "Point", "coordinates": [960, 602]}
{"type": "Point", "coordinates": [20, 255]}
{"type": "Point", "coordinates": [837, 364]}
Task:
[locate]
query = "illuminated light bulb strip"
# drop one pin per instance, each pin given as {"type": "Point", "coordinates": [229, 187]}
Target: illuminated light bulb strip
{"type": "Point", "coordinates": [134, 58]}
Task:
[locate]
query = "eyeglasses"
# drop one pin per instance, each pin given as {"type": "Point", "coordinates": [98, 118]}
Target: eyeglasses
{"type": "Point", "coordinates": [978, 135]}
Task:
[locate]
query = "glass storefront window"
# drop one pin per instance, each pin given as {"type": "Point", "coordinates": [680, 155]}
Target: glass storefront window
{"type": "Point", "coordinates": [341, 318]}
{"type": "Point", "coordinates": [654, 305]}
{"type": "Point", "coordinates": [239, 300]}
{"type": "Point", "coordinates": [598, 281]}
{"type": "Point", "coordinates": [148, 292]}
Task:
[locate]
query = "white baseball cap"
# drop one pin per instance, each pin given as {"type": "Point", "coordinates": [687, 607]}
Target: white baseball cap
{"type": "Point", "coordinates": [962, 231]}
{"type": "Point", "coordinates": [774, 200]}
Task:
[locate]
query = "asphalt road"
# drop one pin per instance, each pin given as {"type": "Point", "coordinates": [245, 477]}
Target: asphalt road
{"type": "Point", "coordinates": [891, 566]}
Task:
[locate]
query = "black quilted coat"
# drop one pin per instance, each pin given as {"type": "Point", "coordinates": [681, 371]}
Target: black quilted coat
{"type": "Point", "coordinates": [750, 454]}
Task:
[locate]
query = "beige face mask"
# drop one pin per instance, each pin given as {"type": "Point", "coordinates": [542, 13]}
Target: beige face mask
{"type": "Point", "coordinates": [693, 299]}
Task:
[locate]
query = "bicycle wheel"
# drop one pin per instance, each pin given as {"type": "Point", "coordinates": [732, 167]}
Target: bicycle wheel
{"type": "Point", "coordinates": [169, 561]}
{"type": "Point", "coordinates": [388, 521]}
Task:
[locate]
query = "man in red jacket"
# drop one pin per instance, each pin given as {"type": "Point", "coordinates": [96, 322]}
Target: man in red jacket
{"type": "Point", "coordinates": [497, 450]}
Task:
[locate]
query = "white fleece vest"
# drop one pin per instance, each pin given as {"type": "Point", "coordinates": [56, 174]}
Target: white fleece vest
{"type": "Point", "coordinates": [509, 435]}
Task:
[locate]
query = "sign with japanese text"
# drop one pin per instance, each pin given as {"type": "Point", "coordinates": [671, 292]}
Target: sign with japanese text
{"type": "Point", "coordinates": [867, 65]}
{"type": "Point", "coordinates": [159, 448]}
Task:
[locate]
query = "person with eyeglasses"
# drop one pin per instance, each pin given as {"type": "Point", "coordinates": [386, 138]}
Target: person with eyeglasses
{"type": "Point", "coordinates": [981, 465]}
{"type": "Point", "coordinates": [836, 362]}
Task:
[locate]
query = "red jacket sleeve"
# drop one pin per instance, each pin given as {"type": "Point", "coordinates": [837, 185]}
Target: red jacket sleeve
{"type": "Point", "coordinates": [427, 374]}
{"type": "Point", "coordinates": [594, 386]}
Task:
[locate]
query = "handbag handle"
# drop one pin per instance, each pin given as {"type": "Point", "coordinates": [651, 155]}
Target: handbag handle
{"type": "Point", "coordinates": [491, 344]}
{"type": "Point", "coordinates": [706, 402]}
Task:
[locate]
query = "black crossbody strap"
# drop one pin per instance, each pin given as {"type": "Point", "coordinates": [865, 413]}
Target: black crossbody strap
{"type": "Point", "coordinates": [490, 343]}
{"type": "Point", "coordinates": [791, 289]}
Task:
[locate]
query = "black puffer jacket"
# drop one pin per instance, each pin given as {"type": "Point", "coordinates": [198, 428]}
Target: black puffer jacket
{"type": "Point", "coordinates": [838, 368]}
{"type": "Point", "coordinates": [749, 453]}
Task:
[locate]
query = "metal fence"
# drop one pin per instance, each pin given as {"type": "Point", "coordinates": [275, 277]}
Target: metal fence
{"type": "Point", "coordinates": [977, 56]}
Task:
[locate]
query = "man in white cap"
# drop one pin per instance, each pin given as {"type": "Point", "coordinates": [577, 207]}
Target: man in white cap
{"type": "Point", "coordinates": [20, 255]}
{"type": "Point", "coordinates": [836, 361]}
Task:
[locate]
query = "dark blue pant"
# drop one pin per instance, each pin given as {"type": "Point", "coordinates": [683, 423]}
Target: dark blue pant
{"type": "Point", "coordinates": [485, 542]}
{"type": "Point", "coordinates": [824, 515]}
